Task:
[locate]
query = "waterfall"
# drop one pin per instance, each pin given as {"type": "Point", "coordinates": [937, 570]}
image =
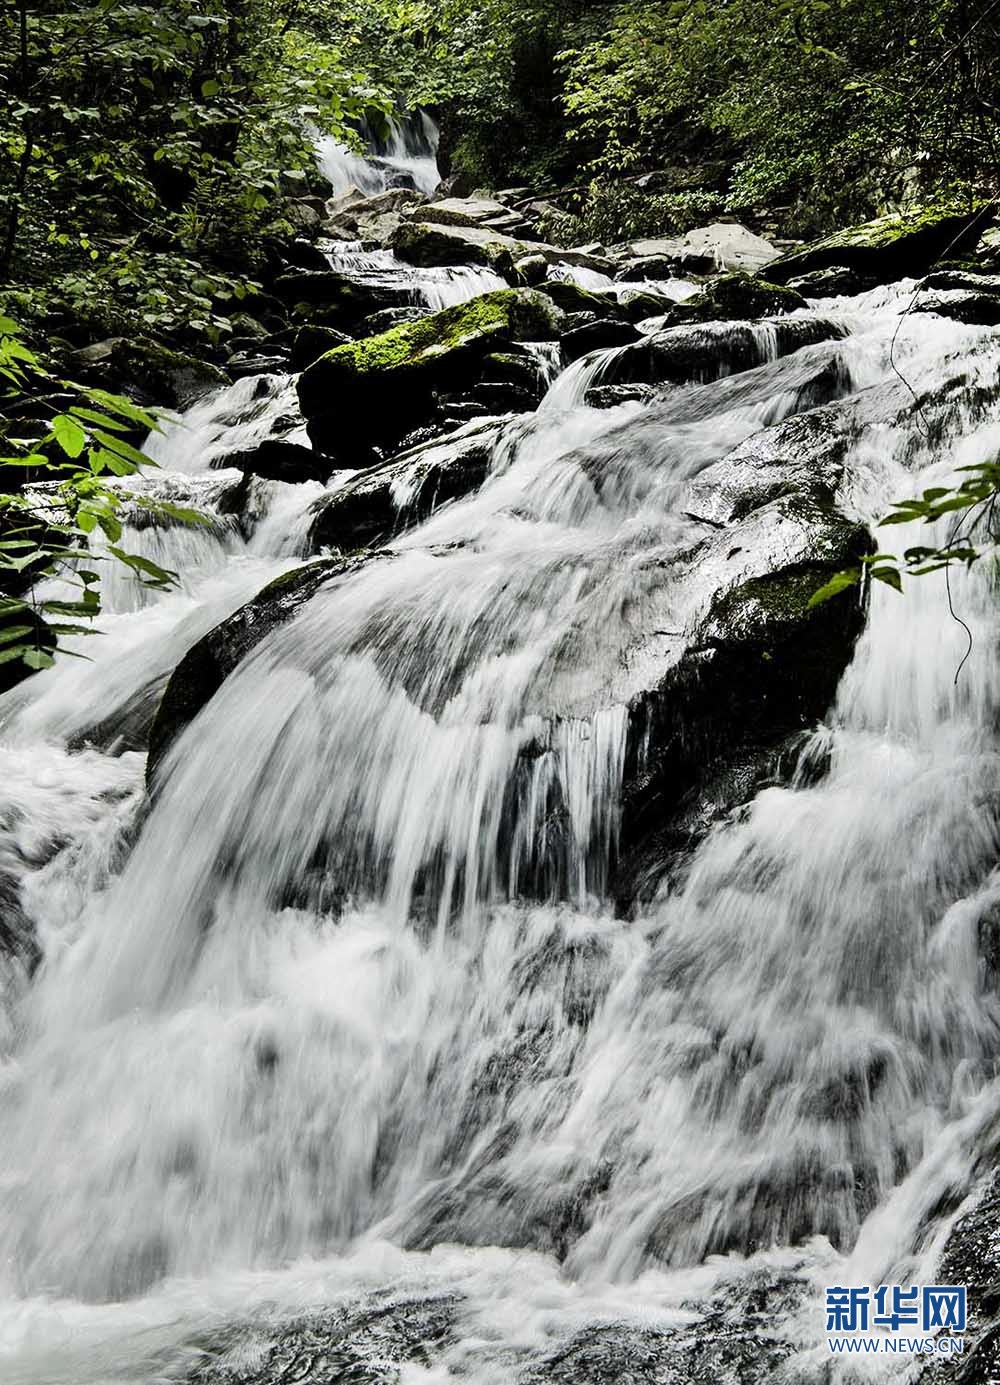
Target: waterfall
{"type": "Point", "coordinates": [346, 1011]}
{"type": "Point", "coordinates": [405, 156]}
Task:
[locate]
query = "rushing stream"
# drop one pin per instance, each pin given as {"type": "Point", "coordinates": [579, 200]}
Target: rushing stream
{"type": "Point", "coordinates": [339, 1019]}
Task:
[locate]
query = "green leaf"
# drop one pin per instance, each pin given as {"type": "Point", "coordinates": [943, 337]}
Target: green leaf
{"type": "Point", "coordinates": [15, 632]}
{"type": "Point", "coordinates": [69, 435]}
{"type": "Point", "coordinates": [38, 659]}
{"type": "Point", "coordinates": [889, 575]}
{"type": "Point", "coordinates": [102, 420]}
{"type": "Point", "coordinates": [838, 583]}
{"type": "Point", "coordinates": [121, 448]}
{"type": "Point", "coordinates": [210, 88]}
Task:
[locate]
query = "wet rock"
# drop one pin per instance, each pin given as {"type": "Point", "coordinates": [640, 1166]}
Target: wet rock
{"type": "Point", "coordinates": [595, 336]}
{"type": "Point", "coordinates": [343, 394]}
{"type": "Point", "coordinates": [205, 667]}
{"type": "Point", "coordinates": [340, 301]}
{"type": "Point", "coordinates": [302, 214]}
{"type": "Point", "coordinates": [736, 297]}
{"type": "Point", "coordinates": [654, 267]}
{"type": "Point", "coordinates": [960, 305]}
{"type": "Point", "coordinates": [706, 352]}
{"type": "Point", "coordinates": [148, 373]}
{"type": "Point", "coordinates": [706, 250]}
{"type": "Point", "coordinates": [502, 396]}
{"type": "Point", "coordinates": [610, 396]}
{"type": "Point", "coordinates": [278, 460]}
{"type": "Point", "coordinates": [303, 254]}
{"type": "Point", "coordinates": [371, 508]}
{"type": "Point", "coordinates": [311, 342]}
{"type": "Point", "coordinates": [531, 270]}
{"type": "Point", "coordinates": [640, 304]}
{"type": "Point", "coordinates": [427, 244]}
{"type": "Point", "coordinates": [987, 251]}
{"type": "Point", "coordinates": [387, 319]}
{"type": "Point", "coordinates": [835, 282]}
{"type": "Point", "coordinates": [889, 247]}
{"type": "Point", "coordinates": [244, 363]}
{"type": "Point", "coordinates": [573, 299]}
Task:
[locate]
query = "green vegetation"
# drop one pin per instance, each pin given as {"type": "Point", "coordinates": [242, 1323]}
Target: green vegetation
{"type": "Point", "coordinates": [64, 445]}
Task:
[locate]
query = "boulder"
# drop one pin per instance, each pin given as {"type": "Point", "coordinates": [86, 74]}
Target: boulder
{"type": "Point", "coordinates": [344, 393]}
{"type": "Point", "coordinates": [736, 297]}
{"type": "Point", "coordinates": [987, 251]}
{"type": "Point", "coordinates": [311, 342]}
{"type": "Point", "coordinates": [148, 373]}
{"type": "Point", "coordinates": [721, 246]}
{"type": "Point", "coordinates": [369, 509]}
{"type": "Point", "coordinates": [679, 355]}
{"type": "Point", "coordinates": [888, 248]}
{"type": "Point", "coordinates": [427, 244]}
{"type": "Point", "coordinates": [573, 299]}
{"type": "Point", "coordinates": [243, 363]}
{"type": "Point", "coordinates": [595, 336]}
{"type": "Point", "coordinates": [206, 666]}
{"type": "Point", "coordinates": [835, 282]}
{"type": "Point", "coordinates": [275, 459]}
{"type": "Point", "coordinates": [339, 300]}
{"type": "Point", "coordinates": [461, 211]}
{"type": "Point", "coordinates": [388, 318]}
{"type": "Point", "coordinates": [973, 309]}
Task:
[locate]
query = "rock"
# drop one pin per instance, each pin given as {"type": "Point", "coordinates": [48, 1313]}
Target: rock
{"type": "Point", "coordinates": [595, 336]}
{"type": "Point", "coordinates": [730, 246]}
{"type": "Point", "coordinates": [302, 214]}
{"type": "Point", "coordinates": [369, 509]}
{"type": "Point", "coordinates": [242, 325]}
{"type": "Point", "coordinates": [736, 297]}
{"type": "Point", "coordinates": [640, 304]}
{"type": "Point", "coordinates": [502, 396]}
{"type": "Point", "coordinates": [148, 373]}
{"type": "Point", "coordinates": [658, 267]}
{"type": "Point", "coordinates": [835, 282]}
{"type": "Point", "coordinates": [344, 393]}
{"type": "Point", "coordinates": [531, 270]}
{"type": "Point", "coordinates": [574, 299]}
{"type": "Point", "coordinates": [342, 301]}
{"type": "Point", "coordinates": [312, 342]}
{"type": "Point", "coordinates": [610, 396]}
{"type": "Point", "coordinates": [205, 667]}
{"type": "Point", "coordinates": [514, 368]}
{"type": "Point", "coordinates": [303, 254]}
{"type": "Point", "coordinates": [427, 244]}
{"type": "Point", "coordinates": [388, 318]}
{"type": "Point", "coordinates": [888, 248]}
{"type": "Point", "coordinates": [973, 309]}
{"type": "Point", "coordinates": [987, 250]}
{"type": "Point", "coordinates": [460, 211]}
{"type": "Point", "coordinates": [705, 352]}
{"type": "Point", "coordinates": [243, 363]}
{"type": "Point", "coordinates": [275, 459]}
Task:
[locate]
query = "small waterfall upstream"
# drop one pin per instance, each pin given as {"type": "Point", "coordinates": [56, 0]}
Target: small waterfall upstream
{"type": "Point", "coordinates": [404, 155]}
{"type": "Point", "coordinates": [345, 1014]}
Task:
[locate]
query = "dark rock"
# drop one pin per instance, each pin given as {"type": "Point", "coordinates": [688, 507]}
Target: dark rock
{"type": "Point", "coordinates": [503, 397]}
{"type": "Point", "coordinates": [681, 354]}
{"type": "Point", "coordinates": [387, 319]}
{"type": "Point", "coordinates": [341, 301]}
{"type": "Point", "coordinates": [427, 244]}
{"type": "Point", "coordinates": [244, 363]}
{"type": "Point", "coordinates": [610, 396]}
{"type": "Point", "coordinates": [369, 509]}
{"type": "Point", "coordinates": [278, 460]}
{"type": "Point", "coordinates": [574, 299]}
{"type": "Point", "coordinates": [736, 297]}
{"type": "Point", "coordinates": [205, 667]}
{"type": "Point", "coordinates": [312, 342]}
{"type": "Point", "coordinates": [595, 336]}
{"type": "Point", "coordinates": [835, 282]}
{"type": "Point", "coordinates": [511, 367]}
{"type": "Point", "coordinates": [973, 309]}
{"type": "Point", "coordinates": [344, 393]}
{"type": "Point", "coordinates": [890, 247]}
{"type": "Point", "coordinates": [148, 373]}
{"type": "Point", "coordinates": [303, 254]}
{"type": "Point", "coordinates": [638, 304]}
{"type": "Point", "coordinates": [531, 270]}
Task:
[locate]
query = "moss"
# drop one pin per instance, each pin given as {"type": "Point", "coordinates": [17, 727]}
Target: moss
{"type": "Point", "coordinates": [738, 297]}
{"type": "Point", "coordinates": [574, 299]}
{"type": "Point", "coordinates": [430, 352]}
{"type": "Point", "coordinates": [893, 246]}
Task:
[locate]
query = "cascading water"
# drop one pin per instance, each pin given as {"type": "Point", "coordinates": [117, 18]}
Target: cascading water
{"type": "Point", "coordinates": [346, 1016]}
{"type": "Point", "coordinates": [404, 157]}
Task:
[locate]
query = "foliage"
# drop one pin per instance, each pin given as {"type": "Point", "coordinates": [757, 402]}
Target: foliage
{"type": "Point", "coordinates": [147, 147]}
{"type": "Point", "coordinates": [976, 530]}
{"type": "Point", "coordinates": [63, 443]}
{"type": "Point", "coordinates": [617, 210]}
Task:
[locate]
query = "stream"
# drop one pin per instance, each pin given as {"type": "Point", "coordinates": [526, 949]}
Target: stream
{"type": "Point", "coordinates": [337, 1040]}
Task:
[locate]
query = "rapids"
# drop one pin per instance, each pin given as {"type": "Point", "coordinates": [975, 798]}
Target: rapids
{"type": "Point", "coordinates": [337, 1022]}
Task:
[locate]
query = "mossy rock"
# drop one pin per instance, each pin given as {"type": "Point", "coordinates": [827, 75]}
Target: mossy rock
{"type": "Point", "coordinates": [737, 297]}
{"type": "Point", "coordinates": [345, 394]}
{"type": "Point", "coordinates": [890, 247]}
{"type": "Point", "coordinates": [425, 244]}
{"type": "Point", "coordinates": [147, 372]}
{"type": "Point", "coordinates": [571, 298]}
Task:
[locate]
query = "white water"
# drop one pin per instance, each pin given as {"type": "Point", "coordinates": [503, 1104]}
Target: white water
{"type": "Point", "coordinates": [306, 1012]}
{"type": "Point", "coordinates": [406, 157]}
